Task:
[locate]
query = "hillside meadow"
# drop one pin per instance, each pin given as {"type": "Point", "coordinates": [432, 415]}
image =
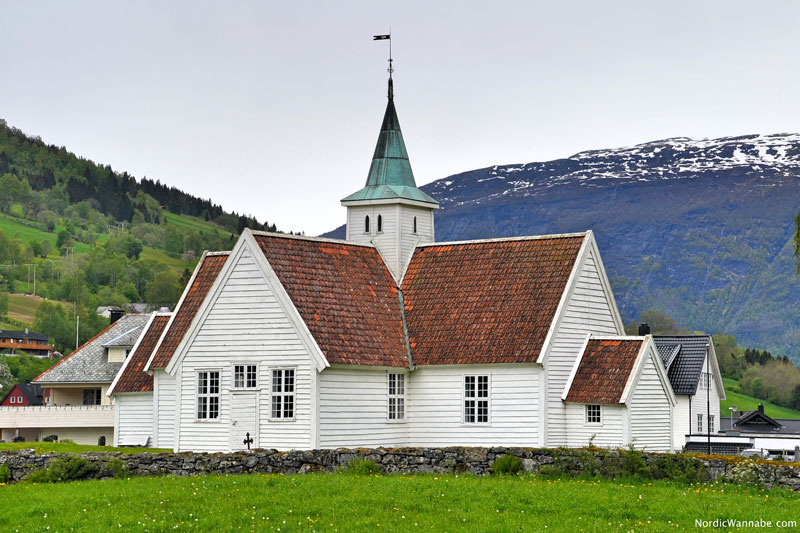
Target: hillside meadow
{"type": "Point", "coordinates": [344, 502]}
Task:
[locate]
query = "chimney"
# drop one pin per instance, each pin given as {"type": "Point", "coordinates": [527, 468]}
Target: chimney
{"type": "Point", "coordinates": [116, 314]}
{"type": "Point", "coordinates": [761, 408]}
{"type": "Point", "coordinates": [26, 331]}
{"type": "Point", "coordinates": [644, 329]}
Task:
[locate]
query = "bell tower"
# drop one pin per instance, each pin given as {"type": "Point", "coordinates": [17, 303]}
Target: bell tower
{"type": "Point", "coordinates": [391, 211]}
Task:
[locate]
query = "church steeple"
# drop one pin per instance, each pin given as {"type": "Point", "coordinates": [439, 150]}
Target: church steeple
{"type": "Point", "coordinates": [390, 174]}
{"type": "Point", "coordinates": [390, 211]}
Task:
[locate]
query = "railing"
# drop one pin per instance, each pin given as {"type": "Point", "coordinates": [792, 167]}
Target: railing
{"type": "Point", "coordinates": [57, 416]}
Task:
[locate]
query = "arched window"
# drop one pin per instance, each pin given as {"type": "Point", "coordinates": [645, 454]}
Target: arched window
{"type": "Point", "coordinates": [380, 224]}
{"type": "Point", "coordinates": [414, 230]}
{"type": "Point", "coordinates": [366, 224]}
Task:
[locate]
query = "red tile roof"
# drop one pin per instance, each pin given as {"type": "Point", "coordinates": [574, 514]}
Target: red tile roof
{"type": "Point", "coordinates": [485, 301]}
{"type": "Point", "coordinates": [193, 297]}
{"type": "Point", "coordinates": [133, 377]}
{"type": "Point", "coordinates": [604, 371]}
{"type": "Point", "coordinates": [346, 296]}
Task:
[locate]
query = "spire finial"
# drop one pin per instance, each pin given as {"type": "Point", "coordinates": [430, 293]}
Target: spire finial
{"type": "Point", "coordinates": [388, 37]}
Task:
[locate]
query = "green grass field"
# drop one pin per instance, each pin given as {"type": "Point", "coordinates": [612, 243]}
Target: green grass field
{"type": "Point", "coordinates": [71, 447]}
{"type": "Point", "coordinates": [748, 403]}
{"type": "Point", "coordinates": [192, 223]}
{"type": "Point", "coordinates": [23, 307]}
{"type": "Point", "coordinates": [158, 256]}
{"type": "Point", "coordinates": [341, 502]}
{"type": "Point", "coordinates": [14, 228]}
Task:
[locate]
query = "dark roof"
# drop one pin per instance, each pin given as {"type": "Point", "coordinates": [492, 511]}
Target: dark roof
{"type": "Point", "coordinates": [485, 301]}
{"type": "Point", "coordinates": [685, 369]}
{"type": "Point", "coordinates": [717, 448]}
{"type": "Point", "coordinates": [787, 426]}
{"type": "Point", "coordinates": [32, 391]}
{"type": "Point", "coordinates": [604, 370]}
{"type": "Point", "coordinates": [89, 363]}
{"type": "Point", "coordinates": [21, 335]}
{"type": "Point", "coordinates": [133, 377]}
{"type": "Point", "coordinates": [668, 353]}
{"type": "Point", "coordinates": [205, 274]}
{"type": "Point", "coordinates": [345, 295]}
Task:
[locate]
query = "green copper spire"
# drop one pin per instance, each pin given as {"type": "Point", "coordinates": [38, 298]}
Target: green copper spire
{"type": "Point", "coordinates": [390, 174]}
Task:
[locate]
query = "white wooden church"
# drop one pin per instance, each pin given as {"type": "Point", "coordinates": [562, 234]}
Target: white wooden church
{"type": "Point", "coordinates": [388, 338]}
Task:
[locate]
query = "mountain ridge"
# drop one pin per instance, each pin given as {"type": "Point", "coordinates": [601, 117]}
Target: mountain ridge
{"type": "Point", "coordinates": [698, 228]}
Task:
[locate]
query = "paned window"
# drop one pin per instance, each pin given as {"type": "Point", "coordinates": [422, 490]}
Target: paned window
{"type": "Point", "coordinates": [283, 393]}
{"type": "Point", "coordinates": [207, 395]}
{"type": "Point", "coordinates": [700, 423]}
{"type": "Point", "coordinates": [593, 414]}
{"type": "Point", "coordinates": [244, 376]}
{"type": "Point", "coordinates": [705, 383]}
{"type": "Point", "coordinates": [397, 397]}
{"type": "Point", "coordinates": [91, 396]}
{"type": "Point", "coordinates": [711, 423]}
{"type": "Point", "coordinates": [476, 399]}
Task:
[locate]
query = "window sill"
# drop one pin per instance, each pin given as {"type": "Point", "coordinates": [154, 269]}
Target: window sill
{"type": "Point", "coordinates": [396, 421]}
{"type": "Point", "coordinates": [217, 420]}
{"type": "Point", "coordinates": [282, 420]}
{"type": "Point", "coordinates": [476, 424]}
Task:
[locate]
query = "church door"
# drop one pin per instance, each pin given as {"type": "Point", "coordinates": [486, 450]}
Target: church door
{"type": "Point", "coordinates": [244, 419]}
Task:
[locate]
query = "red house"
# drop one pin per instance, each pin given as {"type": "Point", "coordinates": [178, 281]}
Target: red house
{"type": "Point", "coordinates": [24, 394]}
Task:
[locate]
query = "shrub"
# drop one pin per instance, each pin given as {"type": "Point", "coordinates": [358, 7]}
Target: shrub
{"type": "Point", "coordinates": [71, 468]}
{"type": "Point", "coordinates": [507, 464]}
{"type": "Point", "coordinates": [362, 467]}
{"type": "Point", "coordinates": [3, 473]}
{"type": "Point", "coordinates": [116, 467]}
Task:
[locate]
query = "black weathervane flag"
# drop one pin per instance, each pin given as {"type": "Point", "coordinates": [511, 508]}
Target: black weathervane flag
{"type": "Point", "coordinates": [381, 37]}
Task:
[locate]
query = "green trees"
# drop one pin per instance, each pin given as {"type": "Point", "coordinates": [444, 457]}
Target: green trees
{"type": "Point", "coordinates": [164, 290]}
{"type": "Point", "coordinates": [3, 303]}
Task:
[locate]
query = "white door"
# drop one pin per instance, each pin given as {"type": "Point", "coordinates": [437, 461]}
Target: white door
{"type": "Point", "coordinates": [244, 419]}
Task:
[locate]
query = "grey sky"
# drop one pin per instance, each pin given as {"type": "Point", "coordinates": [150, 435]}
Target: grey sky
{"type": "Point", "coordinates": [273, 108]}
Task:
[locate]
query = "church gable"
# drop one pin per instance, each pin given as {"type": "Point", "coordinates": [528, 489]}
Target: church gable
{"type": "Point", "coordinates": [345, 295]}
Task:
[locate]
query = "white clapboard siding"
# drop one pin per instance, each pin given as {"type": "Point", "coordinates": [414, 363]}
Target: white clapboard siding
{"type": "Point", "coordinates": [588, 310]}
{"type": "Point", "coordinates": [610, 433]}
{"type": "Point", "coordinates": [164, 387]}
{"type": "Point", "coordinates": [135, 417]}
{"type": "Point", "coordinates": [409, 239]}
{"type": "Point", "coordinates": [435, 406]}
{"type": "Point", "coordinates": [681, 423]}
{"type": "Point", "coordinates": [700, 404]}
{"type": "Point", "coordinates": [651, 411]}
{"type": "Point", "coordinates": [353, 409]}
{"type": "Point", "coordinates": [245, 324]}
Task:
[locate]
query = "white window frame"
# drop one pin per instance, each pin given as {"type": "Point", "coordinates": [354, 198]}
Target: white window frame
{"type": "Point", "coordinates": [599, 421]}
{"type": "Point", "coordinates": [700, 423]}
{"type": "Point", "coordinates": [399, 398]}
{"type": "Point", "coordinates": [19, 399]}
{"type": "Point", "coordinates": [711, 423]}
{"type": "Point", "coordinates": [13, 399]}
{"type": "Point", "coordinates": [705, 381]}
{"type": "Point", "coordinates": [282, 394]}
{"type": "Point", "coordinates": [198, 395]}
{"type": "Point", "coordinates": [245, 364]}
{"type": "Point", "coordinates": [98, 396]}
{"type": "Point", "coordinates": [476, 398]}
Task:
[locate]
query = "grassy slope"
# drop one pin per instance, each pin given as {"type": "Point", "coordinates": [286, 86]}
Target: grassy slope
{"type": "Point", "coordinates": [389, 503]}
{"type": "Point", "coordinates": [70, 447]}
{"type": "Point", "coordinates": [23, 307]}
{"type": "Point", "coordinates": [748, 403]}
{"type": "Point", "coordinates": [192, 223]}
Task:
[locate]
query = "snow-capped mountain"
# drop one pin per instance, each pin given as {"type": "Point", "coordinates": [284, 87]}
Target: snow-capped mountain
{"type": "Point", "coordinates": [699, 229]}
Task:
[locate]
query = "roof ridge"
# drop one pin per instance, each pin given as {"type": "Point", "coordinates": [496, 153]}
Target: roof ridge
{"type": "Point", "coordinates": [259, 233]}
{"type": "Point", "coordinates": [507, 239]}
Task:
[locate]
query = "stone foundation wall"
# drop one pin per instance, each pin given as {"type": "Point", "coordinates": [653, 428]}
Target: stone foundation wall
{"type": "Point", "coordinates": [476, 461]}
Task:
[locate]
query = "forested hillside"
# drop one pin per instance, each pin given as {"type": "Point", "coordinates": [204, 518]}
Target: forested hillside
{"type": "Point", "coordinates": [83, 234]}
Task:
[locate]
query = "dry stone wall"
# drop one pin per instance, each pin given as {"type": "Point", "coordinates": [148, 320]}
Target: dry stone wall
{"type": "Point", "coordinates": [475, 461]}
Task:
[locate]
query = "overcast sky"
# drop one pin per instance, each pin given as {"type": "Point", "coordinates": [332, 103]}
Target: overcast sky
{"type": "Point", "coordinates": [273, 108]}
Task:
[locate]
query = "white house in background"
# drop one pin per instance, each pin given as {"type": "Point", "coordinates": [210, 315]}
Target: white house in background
{"type": "Point", "coordinates": [79, 409]}
{"type": "Point", "coordinates": [691, 364]}
{"type": "Point", "coordinates": [391, 339]}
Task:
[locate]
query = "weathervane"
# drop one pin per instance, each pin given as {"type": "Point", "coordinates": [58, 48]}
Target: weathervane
{"type": "Point", "coordinates": [388, 37]}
